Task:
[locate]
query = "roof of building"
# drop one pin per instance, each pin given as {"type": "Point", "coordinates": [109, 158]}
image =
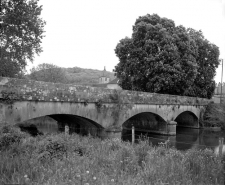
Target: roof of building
{"type": "Point", "coordinates": [99, 85]}
{"type": "Point", "coordinates": [115, 81]}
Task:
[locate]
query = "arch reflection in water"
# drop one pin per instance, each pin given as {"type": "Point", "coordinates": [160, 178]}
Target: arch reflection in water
{"type": "Point", "coordinates": [143, 122]}
{"type": "Point", "coordinates": [186, 138]}
{"type": "Point", "coordinates": [188, 135]}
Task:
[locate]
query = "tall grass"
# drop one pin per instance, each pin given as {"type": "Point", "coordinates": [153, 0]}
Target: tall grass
{"type": "Point", "coordinates": [60, 159]}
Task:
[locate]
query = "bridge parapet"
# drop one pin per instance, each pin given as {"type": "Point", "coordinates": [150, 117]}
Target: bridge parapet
{"type": "Point", "coordinates": [28, 90]}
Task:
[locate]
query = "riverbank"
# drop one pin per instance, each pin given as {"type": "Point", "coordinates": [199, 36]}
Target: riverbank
{"type": "Point", "coordinates": [60, 159]}
{"type": "Point", "coordinates": [214, 116]}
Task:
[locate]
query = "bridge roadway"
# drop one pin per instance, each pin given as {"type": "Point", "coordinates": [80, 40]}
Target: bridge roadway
{"type": "Point", "coordinates": [98, 111]}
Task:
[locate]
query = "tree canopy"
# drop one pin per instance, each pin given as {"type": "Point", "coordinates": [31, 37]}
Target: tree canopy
{"type": "Point", "coordinates": [161, 57]}
{"type": "Point", "coordinates": [48, 73]}
{"type": "Point", "coordinates": [21, 31]}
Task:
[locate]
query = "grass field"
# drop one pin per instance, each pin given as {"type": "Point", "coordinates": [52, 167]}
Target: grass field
{"type": "Point", "coordinates": [72, 159]}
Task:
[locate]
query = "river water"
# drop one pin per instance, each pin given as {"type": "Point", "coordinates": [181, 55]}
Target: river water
{"type": "Point", "coordinates": [186, 138]}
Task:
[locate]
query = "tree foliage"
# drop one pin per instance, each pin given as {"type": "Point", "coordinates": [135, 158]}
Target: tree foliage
{"type": "Point", "coordinates": [21, 31]}
{"type": "Point", "coordinates": [48, 73]}
{"type": "Point", "coordinates": [207, 60]}
{"type": "Point", "coordinates": [163, 58]}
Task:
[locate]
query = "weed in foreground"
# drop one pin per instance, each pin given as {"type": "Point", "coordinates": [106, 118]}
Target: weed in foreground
{"type": "Point", "coordinates": [85, 160]}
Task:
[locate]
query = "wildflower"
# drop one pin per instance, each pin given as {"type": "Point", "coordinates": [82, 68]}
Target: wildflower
{"type": "Point", "coordinates": [94, 178]}
{"type": "Point", "coordinates": [87, 172]}
{"type": "Point", "coordinates": [78, 175]}
{"type": "Point", "coordinates": [112, 180]}
{"type": "Point", "coordinates": [26, 178]}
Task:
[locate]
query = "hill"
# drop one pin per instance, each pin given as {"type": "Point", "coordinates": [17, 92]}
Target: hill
{"type": "Point", "coordinates": [74, 75]}
{"type": "Point", "coordinates": [79, 75]}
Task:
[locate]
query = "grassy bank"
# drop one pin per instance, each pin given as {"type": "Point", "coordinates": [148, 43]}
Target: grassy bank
{"type": "Point", "coordinates": [60, 159]}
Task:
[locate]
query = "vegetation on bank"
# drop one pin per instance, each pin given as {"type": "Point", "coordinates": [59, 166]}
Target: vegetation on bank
{"type": "Point", "coordinates": [214, 116]}
{"type": "Point", "coordinates": [72, 159]}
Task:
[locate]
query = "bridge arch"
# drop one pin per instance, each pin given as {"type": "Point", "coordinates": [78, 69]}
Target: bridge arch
{"type": "Point", "coordinates": [145, 121]}
{"type": "Point", "coordinates": [57, 122]}
{"type": "Point", "coordinates": [143, 108]}
{"type": "Point", "coordinates": [27, 110]}
{"type": "Point", "coordinates": [187, 119]}
{"type": "Point", "coordinates": [77, 124]}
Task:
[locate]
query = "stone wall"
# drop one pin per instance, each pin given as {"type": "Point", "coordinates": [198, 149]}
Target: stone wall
{"type": "Point", "coordinates": [22, 90]}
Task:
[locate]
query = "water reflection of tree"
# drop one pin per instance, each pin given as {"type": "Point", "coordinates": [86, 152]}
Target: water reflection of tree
{"type": "Point", "coordinates": [210, 138]}
{"type": "Point", "coordinates": [187, 138]}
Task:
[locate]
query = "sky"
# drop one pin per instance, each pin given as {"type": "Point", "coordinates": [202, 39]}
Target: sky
{"type": "Point", "coordinates": [84, 33]}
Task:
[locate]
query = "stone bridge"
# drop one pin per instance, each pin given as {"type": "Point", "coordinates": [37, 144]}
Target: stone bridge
{"type": "Point", "coordinates": [97, 111]}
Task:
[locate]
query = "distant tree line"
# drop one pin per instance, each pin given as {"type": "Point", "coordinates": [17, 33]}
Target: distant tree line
{"type": "Point", "coordinates": [48, 73]}
{"type": "Point", "coordinates": [51, 73]}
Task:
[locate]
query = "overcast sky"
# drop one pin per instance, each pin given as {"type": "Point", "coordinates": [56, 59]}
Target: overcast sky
{"type": "Point", "coordinates": [84, 33]}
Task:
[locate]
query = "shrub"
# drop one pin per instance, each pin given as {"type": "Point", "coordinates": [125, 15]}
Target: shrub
{"type": "Point", "coordinates": [9, 136]}
{"type": "Point", "coordinates": [214, 115]}
{"type": "Point", "coordinates": [50, 148]}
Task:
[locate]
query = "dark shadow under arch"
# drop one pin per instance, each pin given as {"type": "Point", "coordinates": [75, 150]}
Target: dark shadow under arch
{"type": "Point", "coordinates": [143, 122]}
{"type": "Point", "coordinates": [77, 124]}
{"type": "Point", "coordinates": [56, 123]}
{"type": "Point", "coordinates": [187, 119]}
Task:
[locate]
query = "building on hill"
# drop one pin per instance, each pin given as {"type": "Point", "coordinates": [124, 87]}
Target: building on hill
{"type": "Point", "coordinates": [103, 79]}
{"type": "Point", "coordinates": [114, 84]}
{"type": "Point", "coordinates": [105, 82]}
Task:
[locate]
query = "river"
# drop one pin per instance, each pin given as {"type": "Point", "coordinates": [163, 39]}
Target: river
{"type": "Point", "coordinates": [186, 138]}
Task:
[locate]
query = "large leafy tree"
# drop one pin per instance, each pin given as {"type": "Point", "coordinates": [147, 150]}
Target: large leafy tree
{"type": "Point", "coordinates": [207, 61]}
{"type": "Point", "coordinates": [48, 73]}
{"type": "Point", "coordinates": [163, 58]}
{"type": "Point", "coordinates": [21, 31]}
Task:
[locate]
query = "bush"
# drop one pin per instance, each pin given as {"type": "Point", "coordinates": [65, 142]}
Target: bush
{"type": "Point", "coordinates": [50, 148]}
{"type": "Point", "coordinates": [214, 115]}
{"type": "Point", "coordinates": [9, 136]}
